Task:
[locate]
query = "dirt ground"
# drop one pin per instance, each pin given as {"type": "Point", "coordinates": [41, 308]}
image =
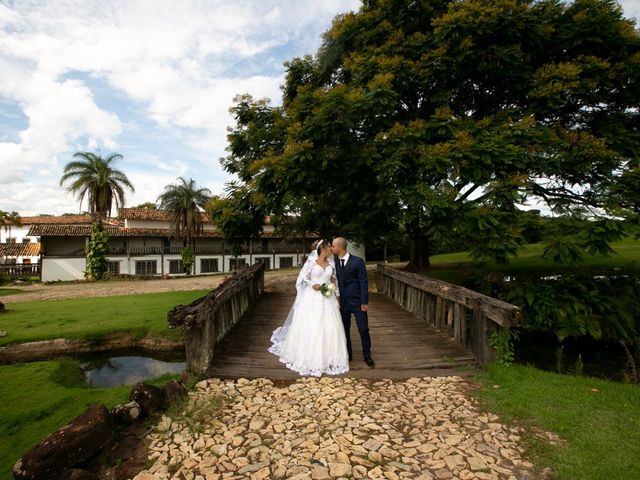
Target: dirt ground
{"type": "Point", "coordinates": [280, 280]}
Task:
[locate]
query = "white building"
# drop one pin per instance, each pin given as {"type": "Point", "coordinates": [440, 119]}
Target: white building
{"type": "Point", "coordinates": [17, 247]}
{"type": "Point", "coordinates": [141, 244]}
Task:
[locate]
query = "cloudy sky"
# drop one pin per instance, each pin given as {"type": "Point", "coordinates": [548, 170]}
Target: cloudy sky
{"type": "Point", "coordinates": [152, 80]}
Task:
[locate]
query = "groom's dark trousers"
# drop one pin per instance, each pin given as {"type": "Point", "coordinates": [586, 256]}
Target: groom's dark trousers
{"type": "Point", "coordinates": [354, 292]}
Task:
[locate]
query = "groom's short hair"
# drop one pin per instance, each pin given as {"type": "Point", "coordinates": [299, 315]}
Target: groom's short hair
{"type": "Point", "coordinates": [342, 242]}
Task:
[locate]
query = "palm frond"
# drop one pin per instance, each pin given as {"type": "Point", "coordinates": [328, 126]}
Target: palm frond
{"type": "Point", "coordinates": [91, 175]}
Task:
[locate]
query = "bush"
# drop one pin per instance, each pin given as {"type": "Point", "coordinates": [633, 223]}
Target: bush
{"type": "Point", "coordinates": [97, 265]}
{"type": "Point", "coordinates": [603, 305]}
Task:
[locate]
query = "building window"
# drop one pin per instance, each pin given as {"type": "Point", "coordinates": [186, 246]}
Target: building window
{"type": "Point", "coordinates": [146, 267]}
{"type": "Point", "coordinates": [26, 261]}
{"type": "Point", "coordinates": [114, 268]}
{"type": "Point", "coordinates": [266, 261]}
{"type": "Point", "coordinates": [208, 265]}
{"type": "Point", "coordinates": [12, 240]}
{"type": "Point", "coordinates": [286, 262]}
{"type": "Point", "coordinates": [236, 263]}
{"type": "Point", "coordinates": [175, 266]}
{"type": "Point", "coordinates": [26, 240]}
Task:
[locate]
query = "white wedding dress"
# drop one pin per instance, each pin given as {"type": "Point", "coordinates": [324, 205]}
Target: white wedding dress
{"type": "Point", "coordinates": [312, 340]}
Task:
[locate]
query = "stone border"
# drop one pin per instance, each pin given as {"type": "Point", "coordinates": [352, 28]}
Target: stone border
{"type": "Point", "coordinates": [65, 453]}
{"type": "Point", "coordinates": [47, 349]}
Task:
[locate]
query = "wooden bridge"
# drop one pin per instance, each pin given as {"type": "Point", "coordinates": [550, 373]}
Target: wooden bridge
{"type": "Point", "coordinates": [419, 327]}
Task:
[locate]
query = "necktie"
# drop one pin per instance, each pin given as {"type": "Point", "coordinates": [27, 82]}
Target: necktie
{"type": "Point", "coordinates": [342, 261]}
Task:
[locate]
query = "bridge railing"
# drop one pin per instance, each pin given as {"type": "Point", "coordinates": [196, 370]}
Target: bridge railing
{"type": "Point", "coordinates": [208, 319]}
{"type": "Point", "coordinates": [468, 317]}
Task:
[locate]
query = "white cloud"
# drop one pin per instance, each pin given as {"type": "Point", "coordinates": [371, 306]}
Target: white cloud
{"type": "Point", "coordinates": [173, 61]}
{"type": "Point", "coordinates": [631, 8]}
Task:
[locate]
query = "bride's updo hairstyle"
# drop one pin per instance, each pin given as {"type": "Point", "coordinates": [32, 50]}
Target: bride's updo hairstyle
{"type": "Point", "coordinates": [322, 244]}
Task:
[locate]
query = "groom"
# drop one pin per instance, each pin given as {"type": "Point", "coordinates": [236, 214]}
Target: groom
{"type": "Point", "coordinates": [354, 296]}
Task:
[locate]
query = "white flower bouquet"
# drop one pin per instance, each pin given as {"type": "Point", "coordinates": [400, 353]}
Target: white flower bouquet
{"type": "Point", "coordinates": [328, 289]}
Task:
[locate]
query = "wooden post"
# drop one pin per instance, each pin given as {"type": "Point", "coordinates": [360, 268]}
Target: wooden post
{"type": "Point", "coordinates": [208, 319]}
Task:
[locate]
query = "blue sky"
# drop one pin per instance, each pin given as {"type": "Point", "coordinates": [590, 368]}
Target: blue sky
{"type": "Point", "coordinates": [150, 79]}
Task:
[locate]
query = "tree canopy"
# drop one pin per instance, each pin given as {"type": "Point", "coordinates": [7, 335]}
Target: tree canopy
{"type": "Point", "coordinates": [441, 118]}
{"type": "Point", "coordinates": [148, 205]}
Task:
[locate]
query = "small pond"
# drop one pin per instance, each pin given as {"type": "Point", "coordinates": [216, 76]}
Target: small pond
{"type": "Point", "coordinates": [544, 351]}
{"type": "Point", "coordinates": [113, 370]}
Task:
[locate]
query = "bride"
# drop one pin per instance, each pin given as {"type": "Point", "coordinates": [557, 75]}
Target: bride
{"type": "Point", "coordinates": [312, 340]}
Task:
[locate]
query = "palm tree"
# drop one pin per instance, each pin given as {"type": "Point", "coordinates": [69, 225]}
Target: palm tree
{"type": "Point", "coordinates": [185, 201]}
{"type": "Point", "coordinates": [8, 219]}
{"type": "Point", "coordinates": [92, 176]}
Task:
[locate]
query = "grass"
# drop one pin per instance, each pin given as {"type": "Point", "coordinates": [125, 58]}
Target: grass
{"type": "Point", "coordinates": [456, 267]}
{"type": "Point", "coordinates": [598, 420]}
{"type": "Point", "coordinates": [9, 291]}
{"type": "Point", "coordinates": [92, 318]}
{"type": "Point", "coordinates": [196, 416]}
{"type": "Point", "coordinates": [34, 404]}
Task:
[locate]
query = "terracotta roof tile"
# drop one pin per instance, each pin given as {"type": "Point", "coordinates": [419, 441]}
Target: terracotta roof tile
{"type": "Point", "coordinates": [19, 249]}
{"type": "Point", "coordinates": [64, 220]}
{"type": "Point", "coordinates": [150, 214]}
{"type": "Point", "coordinates": [85, 231]}
{"type": "Point", "coordinates": [159, 215]}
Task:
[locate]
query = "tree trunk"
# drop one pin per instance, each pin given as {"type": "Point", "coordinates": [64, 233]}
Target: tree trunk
{"type": "Point", "coordinates": [633, 371]}
{"type": "Point", "coordinates": [419, 255]}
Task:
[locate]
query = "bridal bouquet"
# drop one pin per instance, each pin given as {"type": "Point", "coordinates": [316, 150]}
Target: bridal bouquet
{"type": "Point", "coordinates": [328, 289]}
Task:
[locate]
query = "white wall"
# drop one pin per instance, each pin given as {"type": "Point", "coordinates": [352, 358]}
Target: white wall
{"type": "Point", "coordinates": [73, 268]}
{"type": "Point", "coordinates": [133, 223]}
{"type": "Point", "coordinates": [356, 249]}
{"type": "Point", "coordinates": [54, 269]}
{"type": "Point", "coordinates": [196, 266]}
{"type": "Point", "coordinates": [128, 265]}
{"type": "Point", "coordinates": [16, 232]}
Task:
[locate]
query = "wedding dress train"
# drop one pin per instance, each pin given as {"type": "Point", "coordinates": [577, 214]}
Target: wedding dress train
{"type": "Point", "coordinates": [312, 340]}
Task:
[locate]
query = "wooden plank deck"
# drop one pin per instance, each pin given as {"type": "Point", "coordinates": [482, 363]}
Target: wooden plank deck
{"type": "Point", "coordinates": [403, 345]}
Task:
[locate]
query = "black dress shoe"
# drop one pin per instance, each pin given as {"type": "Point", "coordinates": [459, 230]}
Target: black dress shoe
{"type": "Point", "coordinates": [369, 361]}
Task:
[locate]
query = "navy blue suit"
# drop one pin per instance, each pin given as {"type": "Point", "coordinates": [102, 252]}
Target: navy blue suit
{"type": "Point", "coordinates": [354, 292]}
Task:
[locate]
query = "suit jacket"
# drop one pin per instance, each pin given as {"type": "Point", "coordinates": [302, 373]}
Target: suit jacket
{"type": "Point", "coordinates": [352, 281]}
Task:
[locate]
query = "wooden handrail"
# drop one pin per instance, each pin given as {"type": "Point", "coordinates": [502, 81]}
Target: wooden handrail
{"type": "Point", "coordinates": [469, 317]}
{"type": "Point", "coordinates": [208, 319]}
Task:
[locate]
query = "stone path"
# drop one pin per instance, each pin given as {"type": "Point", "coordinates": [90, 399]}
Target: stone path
{"type": "Point", "coordinates": [335, 428]}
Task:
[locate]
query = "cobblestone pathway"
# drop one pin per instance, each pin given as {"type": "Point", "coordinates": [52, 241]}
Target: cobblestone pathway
{"type": "Point", "coordinates": [328, 428]}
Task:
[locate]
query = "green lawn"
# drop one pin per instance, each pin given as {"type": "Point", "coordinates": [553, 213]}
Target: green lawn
{"type": "Point", "coordinates": [455, 267]}
{"type": "Point", "coordinates": [598, 420]}
{"type": "Point", "coordinates": [92, 317]}
{"type": "Point", "coordinates": [9, 291]}
{"type": "Point", "coordinates": [34, 404]}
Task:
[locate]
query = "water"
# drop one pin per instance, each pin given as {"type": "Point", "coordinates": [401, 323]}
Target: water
{"type": "Point", "coordinates": [600, 359]}
{"type": "Point", "coordinates": [127, 370]}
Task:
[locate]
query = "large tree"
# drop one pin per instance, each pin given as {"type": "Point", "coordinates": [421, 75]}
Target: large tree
{"type": "Point", "coordinates": [443, 116]}
{"type": "Point", "coordinates": [185, 201]}
{"type": "Point", "coordinates": [94, 177]}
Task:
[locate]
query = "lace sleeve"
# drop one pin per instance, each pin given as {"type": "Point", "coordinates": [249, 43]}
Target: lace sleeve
{"type": "Point", "coordinates": [305, 273]}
